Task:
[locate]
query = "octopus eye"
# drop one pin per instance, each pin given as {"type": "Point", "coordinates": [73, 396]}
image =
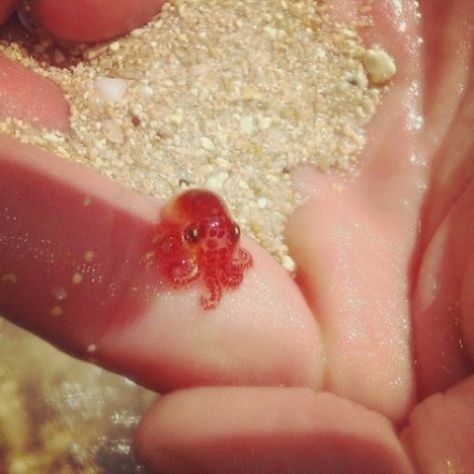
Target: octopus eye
{"type": "Point", "coordinates": [235, 233]}
{"type": "Point", "coordinates": [192, 234]}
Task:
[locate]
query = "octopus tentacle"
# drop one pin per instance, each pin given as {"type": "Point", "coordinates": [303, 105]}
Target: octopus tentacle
{"type": "Point", "coordinates": [233, 279]}
{"type": "Point", "coordinates": [243, 259]}
{"type": "Point", "coordinates": [214, 292]}
{"type": "Point", "coordinates": [192, 274]}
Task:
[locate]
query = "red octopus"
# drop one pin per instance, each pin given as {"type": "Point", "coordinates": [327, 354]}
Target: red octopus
{"type": "Point", "coordinates": [197, 238]}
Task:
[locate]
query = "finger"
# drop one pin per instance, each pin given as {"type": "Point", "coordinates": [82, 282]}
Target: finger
{"type": "Point", "coordinates": [6, 9]}
{"type": "Point", "coordinates": [439, 436]}
{"type": "Point", "coordinates": [443, 331]}
{"type": "Point", "coordinates": [87, 21]}
{"type": "Point", "coordinates": [72, 259]}
{"type": "Point", "coordinates": [45, 239]}
{"type": "Point", "coordinates": [353, 243]}
{"type": "Point", "coordinates": [447, 26]}
{"type": "Point", "coordinates": [443, 321]}
{"type": "Point", "coordinates": [30, 97]}
{"type": "Point", "coordinates": [449, 98]}
{"type": "Point", "coordinates": [267, 430]}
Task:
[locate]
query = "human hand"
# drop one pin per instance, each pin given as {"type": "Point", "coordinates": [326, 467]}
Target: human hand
{"type": "Point", "coordinates": [264, 333]}
{"type": "Point", "coordinates": [87, 21]}
{"type": "Point", "coordinates": [386, 265]}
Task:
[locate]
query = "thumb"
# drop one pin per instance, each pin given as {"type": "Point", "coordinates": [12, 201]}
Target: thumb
{"type": "Point", "coordinates": [32, 98]}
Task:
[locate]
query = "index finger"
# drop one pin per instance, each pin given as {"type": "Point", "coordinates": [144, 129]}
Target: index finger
{"type": "Point", "coordinates": [70, 256]}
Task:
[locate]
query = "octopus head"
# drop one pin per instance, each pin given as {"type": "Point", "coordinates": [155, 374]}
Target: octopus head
{"type": "Point", "coordinates": [206, 225]}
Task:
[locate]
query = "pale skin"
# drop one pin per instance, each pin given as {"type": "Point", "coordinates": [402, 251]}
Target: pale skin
{"type": "Point", "coordinates": [386, 278]}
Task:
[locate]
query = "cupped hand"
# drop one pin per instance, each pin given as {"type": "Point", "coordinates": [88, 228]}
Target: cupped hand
{"type": "Point", "coordinates": [377, 324]}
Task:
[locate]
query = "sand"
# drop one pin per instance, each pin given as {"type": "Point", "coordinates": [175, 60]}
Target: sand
{"type": "Point", "coordinates": [223, 94]}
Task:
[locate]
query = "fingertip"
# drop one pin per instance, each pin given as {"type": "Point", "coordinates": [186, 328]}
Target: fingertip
{"type": "Point", "coordinates": [87, 21]}
{"type": "Point", "coordinates": [149, 453]}
{"type": "Point", "coordinates": [440, 430]}
{"type": "Point", "coordinates": [153, 442]}
{"type": "Point", "coordinates": [260, 333]}
{"type": "Point", "coordinates": [79, 280]}
{"type": "Point", "coordinates": [27, 96]}
{"type": "Point", "coordinates": [266, 430]}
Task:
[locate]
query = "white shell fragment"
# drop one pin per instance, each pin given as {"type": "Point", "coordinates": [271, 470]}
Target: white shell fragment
{"type": "Point", "coordinates": [111, 89]}
{"type": "Point", "coordinates": [379, 65]}
{"type": "Point", "coordinates": [288, 263]}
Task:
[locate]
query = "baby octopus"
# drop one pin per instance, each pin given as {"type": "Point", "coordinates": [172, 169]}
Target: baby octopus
{"type": "Point", "coordinates": [197, 238]}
